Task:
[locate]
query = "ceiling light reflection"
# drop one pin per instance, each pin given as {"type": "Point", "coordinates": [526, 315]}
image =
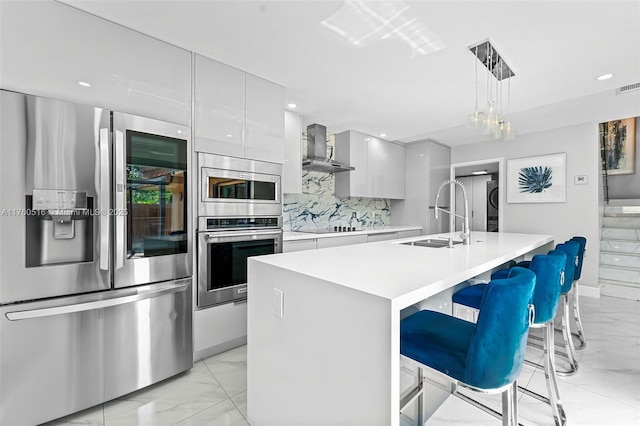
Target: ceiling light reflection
{"type": "Point", "coordinates": [361, 21]}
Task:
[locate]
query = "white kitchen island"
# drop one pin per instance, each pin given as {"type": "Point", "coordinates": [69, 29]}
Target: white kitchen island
{"type": "Point", "coordinates": [334, 356]}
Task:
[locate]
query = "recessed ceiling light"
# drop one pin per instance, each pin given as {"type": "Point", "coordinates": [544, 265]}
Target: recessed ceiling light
{"type": "Point", "coordinates": [604, 77]}
{"type": "Point", "coordinates": [292, 105]}
{"type": "Point", "coordinates": [383, 135]}
{"type": "Point", "coordinates": [179, 131]}
{"type": "Point", "coordinates": [84, 84]}
{"type": "Point", "coordinates": [479, 172]}
{"type": "Point", "coordinates": [229, 135]}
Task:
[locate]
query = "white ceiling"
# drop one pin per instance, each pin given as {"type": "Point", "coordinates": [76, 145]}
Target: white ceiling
{"type": "Point", "coordinates": [556, 49]}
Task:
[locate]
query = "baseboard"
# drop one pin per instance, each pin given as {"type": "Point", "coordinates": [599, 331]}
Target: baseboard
{"type": "Point", "coordinates": [217, 349]}
{"type": "Point", "coordinates": [589, 291]}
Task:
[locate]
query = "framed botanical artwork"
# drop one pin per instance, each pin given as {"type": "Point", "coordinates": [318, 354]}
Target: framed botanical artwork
{"type": "Point", "coordinates": [537, 179]}
{"type": "Point", "coordinates": [617, 146]}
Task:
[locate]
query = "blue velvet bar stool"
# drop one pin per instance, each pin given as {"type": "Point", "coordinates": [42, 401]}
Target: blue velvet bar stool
{"type": "Point", "coordinates": [571, 249]}
{"type": "Point", "coordinates": [576, 307]}
{"type": "Point", "coordinates": [549, 271]}
{"type": "Point", "coordinates": [486, 356]}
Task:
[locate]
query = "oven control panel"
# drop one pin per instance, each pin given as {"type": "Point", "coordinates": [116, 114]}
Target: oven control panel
{"type": "Point", "coordinates": [221, 223]}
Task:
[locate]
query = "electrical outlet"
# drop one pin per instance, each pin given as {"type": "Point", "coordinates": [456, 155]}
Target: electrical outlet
{"type": "Point", "coordinates": [278, 303]}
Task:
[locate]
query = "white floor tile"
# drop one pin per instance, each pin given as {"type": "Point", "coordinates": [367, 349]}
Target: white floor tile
{"type": "Point", "coordinates": [605, 391]}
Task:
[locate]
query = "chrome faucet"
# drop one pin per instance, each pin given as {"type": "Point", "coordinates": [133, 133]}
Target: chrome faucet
{"type": "Point", "coordinates": [466, 233]}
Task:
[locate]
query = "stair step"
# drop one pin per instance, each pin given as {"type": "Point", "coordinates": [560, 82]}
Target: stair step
{"type": "Point", "coordinates": [621, 222]}
{"type": "Point", "coordinates": [620, 259]}
{"type": "Point", "coordinates": [621, 274]}
{"type": "Point", "coordinates": [625, 211]}
{"type": "Point", "coordinates": [627, 234]}
{"type": "Point", "coordinates": [620, 246]}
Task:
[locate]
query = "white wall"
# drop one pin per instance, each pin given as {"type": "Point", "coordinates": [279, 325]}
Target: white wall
{"type": "Point", "coordinates": [579, 214]}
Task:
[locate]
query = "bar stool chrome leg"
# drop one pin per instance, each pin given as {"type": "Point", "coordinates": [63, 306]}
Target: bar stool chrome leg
{"type": "Point", "coordinates": [568, 340]}
{"type": "Point", "coordinates": [559, 416]}
{"type": "Point", "coordinates": [576, 316]}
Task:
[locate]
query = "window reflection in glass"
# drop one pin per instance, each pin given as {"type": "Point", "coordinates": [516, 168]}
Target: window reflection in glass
{"type": "Point", "coordinates": [156, 195]}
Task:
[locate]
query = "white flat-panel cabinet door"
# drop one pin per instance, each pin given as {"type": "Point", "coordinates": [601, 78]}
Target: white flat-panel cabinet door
{"type": "Point", "coordinates": [393, 171]}
{"type": "Point", "coordinates": [298, 245]}
{"type": "Point", "coordinates": [292, 168]}
{"type": "Point", "coordinates": [351, 149]}
{"type": "Point", "coordinates": [220, 108]}
{"type": "Point", "coordinates": [49, 47]}
{"type": "Point", "coordinates": [376, 154]}
{"type": "Point", "coordinates": [341, 241]}
{"type": "Point", "coordinates": [264, 120]}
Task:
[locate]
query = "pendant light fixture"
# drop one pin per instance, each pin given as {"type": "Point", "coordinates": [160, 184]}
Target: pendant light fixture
{"type": "Point", "coordinates": [492, 121]}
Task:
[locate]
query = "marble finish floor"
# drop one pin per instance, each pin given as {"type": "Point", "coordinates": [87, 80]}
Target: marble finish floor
{"type": "Point", "coordinates": [605, 391]}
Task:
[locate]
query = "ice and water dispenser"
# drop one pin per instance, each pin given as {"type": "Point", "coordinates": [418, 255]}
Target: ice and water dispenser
{"type": "Point", "coordinates": [59, 227]}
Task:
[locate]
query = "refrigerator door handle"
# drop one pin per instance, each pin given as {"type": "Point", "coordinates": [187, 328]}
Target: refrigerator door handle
{"type": "Point", "coordinates": [105, 184]}
{"type": "Point", "coordinates": [156, 290]}
{"type": "Point", "coordinates": [120, 194]}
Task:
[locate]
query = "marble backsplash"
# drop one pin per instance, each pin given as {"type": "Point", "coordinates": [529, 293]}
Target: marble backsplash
{"type": "Point", "coordinates": [318, 208]}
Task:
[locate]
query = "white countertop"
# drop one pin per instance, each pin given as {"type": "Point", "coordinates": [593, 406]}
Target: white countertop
{"type": "Point", "coordinates": [403, 273]}
{"type": "Point", "coordinates": [298, 235]}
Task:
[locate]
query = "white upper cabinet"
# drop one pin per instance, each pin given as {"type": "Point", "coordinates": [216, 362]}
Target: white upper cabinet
{"type": "Point", "coordinates": [385, 168]}
{"type": "Point", "coordinates": [237, 114]}
{"type": "Point", "coordinates": [264, 120]}
{"type": "Point", "coordinates": [379, 167]}
{"type": "Point", "coordinates": [292, 169]}
{"type": "Point", "coordinates": [351, 148]}
{"type": "Point", "coordinates": [49, 47]}
{"type": "Point", "coordinates": [219, 108]}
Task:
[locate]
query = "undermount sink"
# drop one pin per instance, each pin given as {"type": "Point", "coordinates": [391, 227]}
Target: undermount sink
{"type": "Point", "coordinates": [430, 242]}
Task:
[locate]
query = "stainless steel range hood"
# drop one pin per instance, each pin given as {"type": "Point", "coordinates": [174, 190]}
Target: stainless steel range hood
{"type": "Point", "coordinates": [317, 160]}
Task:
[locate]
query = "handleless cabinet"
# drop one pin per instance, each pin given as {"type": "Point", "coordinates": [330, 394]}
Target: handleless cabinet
{"type": "Point", "coordinates": [237, 114]}
{"type": "Point", "coordinates": [219, 108]}
{"type": "Point", "coordinates": [299, 245]}
{"type": "Point", "coordinates": [379, 167]}
{"type": "Point", "coordinates": [49, 48]}
{"type": "Point", "coordinates": [264, 120]}
{"type": "Point", "coordinates": [292, 168]}
{"type": "Point", "coordinates": [341, 241]}
{"type": "Point", "coordinates": [383, 236]}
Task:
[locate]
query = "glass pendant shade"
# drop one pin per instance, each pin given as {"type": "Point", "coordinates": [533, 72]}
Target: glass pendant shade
{"type": "Point", "coordinates": [509, 132]}
{"type": "Point", "coordinates": [492, 122]}
{"type": "Point", "coordinates": [489, 121]}
{"type": "Point", "coordinates": [474, 120]}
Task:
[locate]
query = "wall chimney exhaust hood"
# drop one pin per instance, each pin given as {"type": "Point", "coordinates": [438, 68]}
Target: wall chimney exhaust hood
{"type": "Point", "coordinates": [317, 160]}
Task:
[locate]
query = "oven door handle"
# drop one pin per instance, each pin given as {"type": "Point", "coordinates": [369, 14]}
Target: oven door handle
{"type": "Point", "coordinates": [217, 235]}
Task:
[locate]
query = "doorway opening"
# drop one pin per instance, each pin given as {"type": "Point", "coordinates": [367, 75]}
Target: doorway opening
{"type": "Point", "coordinates": [483, 181]}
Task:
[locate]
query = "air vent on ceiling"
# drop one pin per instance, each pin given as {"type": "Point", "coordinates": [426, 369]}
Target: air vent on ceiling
{"type": "Point", "coordinates": [627, 88]}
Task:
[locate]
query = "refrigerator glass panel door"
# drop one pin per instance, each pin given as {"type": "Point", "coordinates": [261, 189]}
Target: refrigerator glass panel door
{"type": "Point", "coordinates": [150, 201]}
{"type": "Point", "coordinates": [156, 201]}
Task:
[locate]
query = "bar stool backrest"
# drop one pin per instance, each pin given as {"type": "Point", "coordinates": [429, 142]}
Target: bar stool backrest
{"type": "Point", "coordinates": [583, 245]}
{"type": "Point", "coordinates": [571, 249]}
{"type": "Point", "coordinates": [549, 275]}
{"type": "Point", "coordinates": [498, 344]}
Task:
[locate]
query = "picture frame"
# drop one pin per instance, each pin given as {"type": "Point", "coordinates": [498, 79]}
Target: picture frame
{"type": "Point", "coordinates": [617, 146]}
{"type": "Point", "coordinates": [537, 179]}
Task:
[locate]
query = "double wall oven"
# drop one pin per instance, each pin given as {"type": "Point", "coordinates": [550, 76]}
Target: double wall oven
{"type": "Point", "coordinates": [239, 216]}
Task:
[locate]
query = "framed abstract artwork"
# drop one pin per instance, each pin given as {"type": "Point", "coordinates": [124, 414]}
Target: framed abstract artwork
{"type": "Point", "coordinates": [537, 179]}
{"type": "Point", "coordinates": [617, 146]}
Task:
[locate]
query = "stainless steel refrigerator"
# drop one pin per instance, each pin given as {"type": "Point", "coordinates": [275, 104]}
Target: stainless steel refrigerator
{"type": "Point", "coordinates": [95, 256]}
